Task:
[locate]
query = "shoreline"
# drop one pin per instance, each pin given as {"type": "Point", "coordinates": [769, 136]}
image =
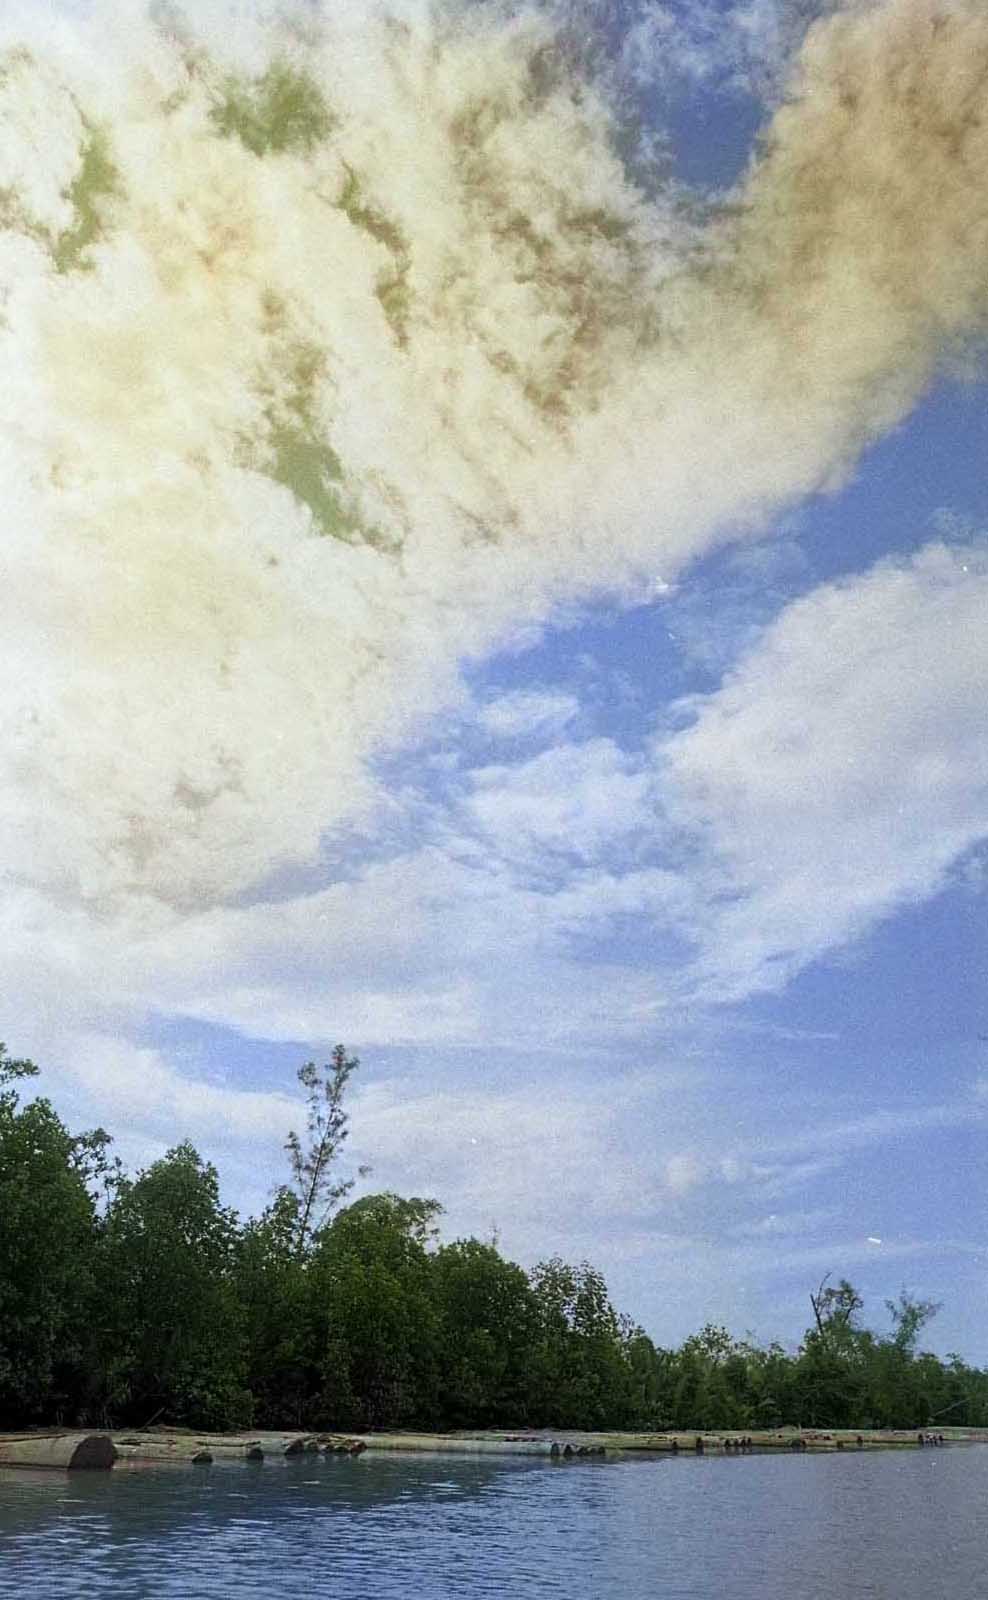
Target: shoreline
{"type": "Point", "coordinates": [102, 1449]}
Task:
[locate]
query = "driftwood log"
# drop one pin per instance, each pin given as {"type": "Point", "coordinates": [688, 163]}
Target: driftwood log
{"type": "Point", "coordinates": [72, 1451]}
{"type": "Point", "coordinates": [460, 1445]}
{"type": "Point", "coordinates": [155, 1447]}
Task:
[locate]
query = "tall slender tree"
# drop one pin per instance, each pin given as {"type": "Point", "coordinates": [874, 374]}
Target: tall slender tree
{"type": "Point", "coordinates": [316, 1189]}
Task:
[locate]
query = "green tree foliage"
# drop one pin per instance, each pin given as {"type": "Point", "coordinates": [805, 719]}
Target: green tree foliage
{"type": "Point", "coordinates": [909, 1318]}
{"type": "Point", "coordinates": [125, 1298]}
{"type": "Point", "coordinates": [314, 1188]}
{"type": "Point", "coordinates": [47, 1224]}
{"type": "Point", "coordinates": [376, 1324]}
{"type": "Point", "coordinates": [489, 1317]}
{"type": "Point", "coordinates": [168, 1313]}
{"type": "Point", "coordinates": [581, 1372]}
{"type": "Point", "coordinates": [835, 1309]}
{"type": "Point", "coordinates": [273, 1289]}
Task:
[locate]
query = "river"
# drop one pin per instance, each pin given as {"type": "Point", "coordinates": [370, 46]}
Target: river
{"type": "Point", "coordinates": [886, 1526]}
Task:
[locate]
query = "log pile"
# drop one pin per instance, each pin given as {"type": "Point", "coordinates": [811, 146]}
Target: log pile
{"type": "Point", "coordinates": [75, 1450]}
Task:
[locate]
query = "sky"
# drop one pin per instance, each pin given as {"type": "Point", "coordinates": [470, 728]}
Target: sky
{"type": "Point", "coordinates": [496, 575]}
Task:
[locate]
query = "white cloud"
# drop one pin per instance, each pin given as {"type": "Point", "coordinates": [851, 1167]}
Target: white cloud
{"type": "Point", "coordinates": [841, 769]}
{"type": "Point", "coordinates": [528, 713]}
{"type": "Point", "coordinates": [836, 775]}
{"type": "Point", "coordinates": [422, 949]}
{"type": "Point", "coordinates": [786, 1224]}
{"type": "Point", "coordinates": [287, 435]}
{"type": "Point", "coordinates": [739, 46]}
{"type": "Point", "coordinates": [467, 941]}
{"type": "Point", "coordinates": [288, 451]}
{"type": "Point", "coordinates": [138, 1086]}
{"type": "Point", "coordinates": [791, 1156]}
{"type": "Point", "coordinates": [581, 800]}
{"type": "Point", "coordinates": [546, 1163]}
{"type": "Point", "coordinates": [849, 1250]}
{"type": "Point", "coordinates": [684, 1171]}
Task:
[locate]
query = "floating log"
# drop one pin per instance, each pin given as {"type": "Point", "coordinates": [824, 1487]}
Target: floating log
{"type": "Point", "coordinates": [72, 1451]}
{"type": "Point", "coordinates": [230, 1446]}
{"type": "Point", "coordinates": [184, 1445]}
{"type": "Point", "coordinates": [577, 1443]}
{"type": "Point", "coordinates": [788, 1439]}
{"type": "Point", "coordinates": [155, 1447]}
{"type": "Point", "coordinates": [461, 1445]}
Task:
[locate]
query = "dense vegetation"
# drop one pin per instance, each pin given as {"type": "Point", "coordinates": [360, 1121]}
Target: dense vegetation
{"type": "Point", "coordinates": [123, 1299]}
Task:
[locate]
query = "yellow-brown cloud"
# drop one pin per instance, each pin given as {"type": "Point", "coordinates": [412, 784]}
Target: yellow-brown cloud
{"type": "Point", "coordinates": [335, 350]}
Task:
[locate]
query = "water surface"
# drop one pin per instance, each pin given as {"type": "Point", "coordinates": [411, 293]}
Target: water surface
{"type": "Point", "coordinates": [397, 1527]}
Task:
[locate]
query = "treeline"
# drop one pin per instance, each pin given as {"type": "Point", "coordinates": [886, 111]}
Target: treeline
{"type": "Point", "coordinates": [124, 1299]}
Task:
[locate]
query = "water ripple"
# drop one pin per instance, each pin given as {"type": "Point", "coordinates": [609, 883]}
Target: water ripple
{"type": "Point", "coordinates": [875, 1527]}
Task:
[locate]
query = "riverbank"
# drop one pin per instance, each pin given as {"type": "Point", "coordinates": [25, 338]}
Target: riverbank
{"type": "Point", "coordinates": [184, 1447]}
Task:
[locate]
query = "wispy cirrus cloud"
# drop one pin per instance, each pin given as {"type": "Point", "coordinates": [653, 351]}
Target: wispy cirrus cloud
{"type": "Point", "coordinates": [792, 1156]}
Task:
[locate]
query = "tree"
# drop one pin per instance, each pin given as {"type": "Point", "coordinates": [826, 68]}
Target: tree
{"type": "Point", "coordinates": [895, 1382]}
{"type": "Point", "coordinates": [771, 1375]}
{"type": "Point", "coordinates": [909, 1318]}
{"type": "Point", "coordinates": [711, 1382]}
{"type": "Point", "coordinates": [646, 1369]}
{"type": "Point", "coordinates": [835, 1309]}
{"type": "Point", "coordinates": [124, 1298]}
{"type": "Point", "coordinates": [10, 1071]}
{"type": "Point", "coordinates": [47, 1228]}
{"type": "Point", "coordinates": [376, 1325]}
{"type": "Point", "coordinates": [275, 1294]}
{"type": "Point", "coordinates": [581, 1374]}
{"type": "Point", "coordinates": [91, 1160]}
{"type": "Point", "coordinates": [315, 1191]}
{"type": "Point", "coordinates": [489, 1323]}
{"type": "Point", "coordinates": [832, 1373]}
{"type": "Point", "coordinates": [167, 1317]}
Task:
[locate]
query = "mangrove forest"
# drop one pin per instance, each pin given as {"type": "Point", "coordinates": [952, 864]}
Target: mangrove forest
{"type": "Point", "coordinates": [125, 1299]}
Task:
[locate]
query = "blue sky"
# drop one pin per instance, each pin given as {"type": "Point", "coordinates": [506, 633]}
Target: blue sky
{"type": "Point", "coordinates": [859, 1085]}
{"type": "Point", "coordinates": [854, 1093]}
{"type": "Point", "coordinates": [657, 920]}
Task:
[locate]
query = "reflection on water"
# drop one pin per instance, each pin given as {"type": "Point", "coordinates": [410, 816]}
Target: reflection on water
{"type": "Point", "coordinates": [881, 1526]}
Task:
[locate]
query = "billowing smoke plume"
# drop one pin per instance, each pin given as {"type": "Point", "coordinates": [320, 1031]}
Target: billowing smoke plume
{"type": "Point", "coordinates": [337, 347]}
